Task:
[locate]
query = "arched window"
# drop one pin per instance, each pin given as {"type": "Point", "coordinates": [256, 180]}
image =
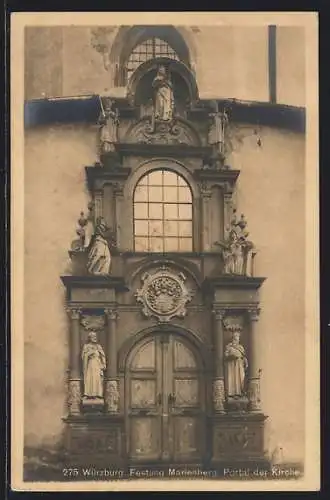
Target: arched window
{"type": "Point", "coordinates": [162, 213]}
{"type": "Point", "coordinates": [149, 49]}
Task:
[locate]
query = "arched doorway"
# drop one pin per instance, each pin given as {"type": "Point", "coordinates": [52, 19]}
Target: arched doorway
{"type": "Point", "coordinates": [165, 401]}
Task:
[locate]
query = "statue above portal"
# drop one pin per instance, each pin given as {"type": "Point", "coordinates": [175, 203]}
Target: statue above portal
{"type": "Point", "coordinates": [109, 121]}
{"type": "Point", "coordinates": [217, 135]}
{"type": "Point", "coordinates": [99, 256]}
{"type": "Point", "coordinates": [237, 251]}
{"type": "Point", "coordinates": [163, 96]}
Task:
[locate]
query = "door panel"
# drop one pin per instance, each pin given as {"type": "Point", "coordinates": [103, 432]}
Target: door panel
{"type": "Point", "coordinates": [165, 402]}
{"type": "Point", "coordinates": [144, 434]}
{"type": "Point", "coordinates": [143, 393]}
{"type": "Point", "coordinates": [144, 404]}
{"type": "Point", "coordinates": [186, 392]}
{"type": "Point", "coordinates": [186, 429]}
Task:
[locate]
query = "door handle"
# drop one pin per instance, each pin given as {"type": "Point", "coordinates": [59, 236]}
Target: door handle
{"type": "Point", "coordinates": [159, 399]}
{"type": "Point", "coordinates": [171, 399]}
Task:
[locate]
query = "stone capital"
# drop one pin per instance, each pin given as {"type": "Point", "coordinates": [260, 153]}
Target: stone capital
{"type": "Point", "coordinates": [111, 314]}
{"type": "Point", "coordinates": [74, 313]}
{"type": "Point", "coordinates": [219, 314]}
{"type": "Point", "coordinates": [254, 313]}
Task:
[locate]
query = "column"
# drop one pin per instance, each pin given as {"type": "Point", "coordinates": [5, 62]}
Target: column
{"type": "Point", "coordinates": [74, 398]}
{"type": "Point", "coordinates": [206, 194]}
{"type": "Point", "coordinates": [254, 361]}
{"type": "Point", "coordinates": [227, 198]}
{"type": "Point", "coordinates": [218, 383]}
{"type": "Point", "coordinates": [111, 379]}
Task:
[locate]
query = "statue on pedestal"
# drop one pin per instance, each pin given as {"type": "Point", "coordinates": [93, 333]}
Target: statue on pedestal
{"type": "Point", "coordinates": [109, 121]}
{"type": "Point", "coordinates": [217, 136]}
{"type": "Point", "coordinates": [99, 256]}
{"type": "Point", "coordinates": [163, 96]}
{"type": "Point", "coordinates": [236, 365]}
{"type": "Point", "coordinates": [237, 251]}
{"type": "Point", "coordinates": [94, 363]}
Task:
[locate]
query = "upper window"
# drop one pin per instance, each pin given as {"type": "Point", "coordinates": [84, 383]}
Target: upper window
{"type": "Point", "coordinates": [162, 213]}
{"type": "Point", "coordinates": [150, 49]}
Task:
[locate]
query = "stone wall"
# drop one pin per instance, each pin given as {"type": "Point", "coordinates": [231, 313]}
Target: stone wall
{"type": "Point", "coordinates": [231, 62]}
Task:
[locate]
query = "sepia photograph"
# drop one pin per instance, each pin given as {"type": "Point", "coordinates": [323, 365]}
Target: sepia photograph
{"type": "Point", "coordinates": [164, 255]}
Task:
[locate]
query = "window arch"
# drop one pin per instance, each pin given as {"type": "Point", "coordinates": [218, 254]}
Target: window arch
{"type": "Point", "coordinates": [163, 218]}
{"type": "Point", "coordinates": [130, 41]}
{"type": "Point", "coordinates": [149, 49]}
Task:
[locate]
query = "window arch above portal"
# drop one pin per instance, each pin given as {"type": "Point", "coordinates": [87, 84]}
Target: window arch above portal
{"type": "Point", "coordinates": [163, 215]}
{"type": "Point", "coordinates": [134, 45]}
{"type": "Point", "coordinates": [149, 49]}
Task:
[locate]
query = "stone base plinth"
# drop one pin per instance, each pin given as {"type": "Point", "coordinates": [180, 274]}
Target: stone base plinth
{"type": "Point", "coordinates": [94, 440]}
{"type": "Point", "coordinates": [238, 441]}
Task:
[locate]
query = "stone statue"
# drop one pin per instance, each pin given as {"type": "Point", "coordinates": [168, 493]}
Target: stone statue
{"type": "Point", "coordinates": [217, 131]}
{"type": "Point", "coordinates": [94, 364]}
{"type": "Point", "coordinates": [235, 366]}
{"type": "Point", "coordinates": [109, 121]}
{"type": "Point", "coordinates": [237, 251]}
{"type": "Point", "coordinates": [99, 256]}
{"type": "Point", "coordinates": [163, 97]}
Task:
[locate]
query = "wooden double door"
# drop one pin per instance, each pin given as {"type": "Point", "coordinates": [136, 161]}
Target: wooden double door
{"type": "Point", "coordinates": [165, 408]}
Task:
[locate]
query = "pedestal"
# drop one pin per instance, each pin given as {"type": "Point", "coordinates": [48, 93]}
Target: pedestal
{"type": "Point", "coordinates": [238, 441]}
{"type": "Point", "coordinates": [94, 440]}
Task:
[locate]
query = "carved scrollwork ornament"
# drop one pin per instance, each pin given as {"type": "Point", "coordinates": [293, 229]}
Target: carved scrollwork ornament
{"type": "Point", "coordinates": [93, 322]}
{"type": "Point", "coordinates": [163, 294]}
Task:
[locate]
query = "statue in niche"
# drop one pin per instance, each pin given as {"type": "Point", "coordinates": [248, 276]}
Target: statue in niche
{"type": "Point", "coordinates": [238, 251]}
{"type": "Point", "coordinates": [109, 121]}
{"type": "Point", "coordinates": [99, 256]}
{"type": "Point", "coordinates": [163, 96]}
{"type": "Point", "coordinates": [217, 136]}
{"type": "Point", "coordinates": [94, 363]}
{"type": "Point", "coordinates": [236, 365]}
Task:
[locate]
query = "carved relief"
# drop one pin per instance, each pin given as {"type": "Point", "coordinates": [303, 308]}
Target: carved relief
{"type": "Point", "coordinates": [93, 322]}
{"type": "Point", "coordinates": [162, 132]}
{"type": "Point", "coordinates": [112, 396]}
{"type": "Point", "coordinates": [254, 394]}
{"type": "Point", "coordinates": [74, 397]}
{"type": "Point", "coordinates": [231, 440]}
{"type": "Point", "coordinates": [163, 295]}
{"type": "Point", "coordinates": [218, 395]}
{"type": "Point", "coordinates": [102, 441]}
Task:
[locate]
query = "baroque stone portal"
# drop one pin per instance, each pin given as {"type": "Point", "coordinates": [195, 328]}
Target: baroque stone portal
{"type": "Point", "coordinates": [163, 295]}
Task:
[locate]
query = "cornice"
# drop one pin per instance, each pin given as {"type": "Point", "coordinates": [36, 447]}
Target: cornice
{"type": "Point", "coordinates": [80, 109]}
{"type": "Point", "coordinates": [167, 150]}
{"type": "Point", "coordinates": [98, 173]}
{"type": "Point", "coordinates": [225, 281]}
{"type": "Point", "coordinates": [109, 282]}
